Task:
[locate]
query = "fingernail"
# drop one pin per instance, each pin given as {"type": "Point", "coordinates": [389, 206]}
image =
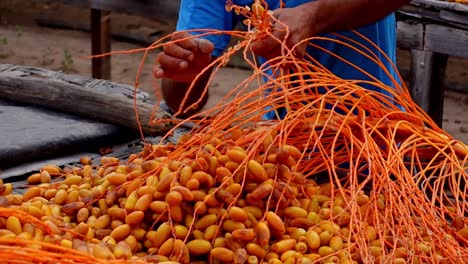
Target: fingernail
{"type": "Point", "coordinates": [183, 65]}
{"type": "Point", "coordinates": [190, 57]}
{"type": "Point", "coordinates": [159, 73]}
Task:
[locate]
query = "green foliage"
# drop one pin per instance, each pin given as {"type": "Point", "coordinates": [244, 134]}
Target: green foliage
{"type": "Point", "coordinates": [3, 40]}
{"type": "Point", "coordinates": [67, 61]}
{"type": "Point", "coordinates": [3, 50]}
{"type": "Point", "coordinates": [19, 31]}
{"type": "Point", "coordinates": [46, 58]}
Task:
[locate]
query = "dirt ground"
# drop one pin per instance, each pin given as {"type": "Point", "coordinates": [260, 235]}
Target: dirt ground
{"type": "Point", "coordinates": [23, 41]}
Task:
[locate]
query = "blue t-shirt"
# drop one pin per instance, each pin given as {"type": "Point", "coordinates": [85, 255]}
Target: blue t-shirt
{"type": "Point", "coordinates": [211, 14]}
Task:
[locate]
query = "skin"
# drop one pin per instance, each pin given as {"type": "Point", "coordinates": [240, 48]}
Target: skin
{"type": "Point", "coordinates": [179, 63]}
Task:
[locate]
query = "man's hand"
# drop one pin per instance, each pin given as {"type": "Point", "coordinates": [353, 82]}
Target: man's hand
{"type": "Point", "coordinates": [298, 21]}
{"type": "Point", "coordinates": [184, 60]}
{"type": "Point", "coordinates": [321, 16]}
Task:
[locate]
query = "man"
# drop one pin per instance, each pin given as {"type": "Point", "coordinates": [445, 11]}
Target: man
{"type": "Point", "coordinates": [179, 63]}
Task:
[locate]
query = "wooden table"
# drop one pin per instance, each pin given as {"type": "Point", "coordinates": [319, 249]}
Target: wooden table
{"type": "Point", "coordinates": [432, 30]}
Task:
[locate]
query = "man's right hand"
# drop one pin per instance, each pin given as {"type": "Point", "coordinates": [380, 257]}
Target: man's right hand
{"type": "Point", "coordinates": [184, 60]}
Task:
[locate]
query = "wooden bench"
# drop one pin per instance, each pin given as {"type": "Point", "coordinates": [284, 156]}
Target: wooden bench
{"type": "Point", "coordinates": [432, 30]}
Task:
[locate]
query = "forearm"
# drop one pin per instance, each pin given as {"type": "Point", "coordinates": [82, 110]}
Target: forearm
{"type": "Point", "coordinates": [337, 15]}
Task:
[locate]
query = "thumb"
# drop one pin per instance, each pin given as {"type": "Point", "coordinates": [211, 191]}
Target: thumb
{"type": "Point", "coordinates": [276, 14]}
{"type": "Point", "coordinates": [205, 46]}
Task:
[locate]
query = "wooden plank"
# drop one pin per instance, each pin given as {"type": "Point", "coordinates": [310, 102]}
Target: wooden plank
{"type": "Point", "coordinates": [437, 88]}
{"type": "Point", "coordinates": [421, 71]}
{"type": "Point", "coordinates": [426, 82]}
{"type": "Point", "coordinates": [442, 4]}
{"type": "Point", "coordinates": [420, 12]}
{"type": "Point", "coordinates": [100, 43]}
{"type": "Point", "coordinates": [149, 8]}
{"type": "Point", "coordinates": [410, 35]}
{"type": "Point", "coordinates": [101, 86]}
{"type": "Point", "coordinates": [454, 17]}
{"type": "Point", "coordinates": [432, 15]}
{"type": "Point", "coordinates": [446, 40]}
{"type": "Point", "coordinates": [70, 98]}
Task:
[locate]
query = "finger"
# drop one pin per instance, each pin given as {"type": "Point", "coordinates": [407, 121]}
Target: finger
{"type": "Point", "coordinates": [177, 51]}
{"type": "Point", "coordinates": [158, 72]}
{"type": "Point", "coordinates": [264, 45]}
{"type": "Point", "coordinates": [185, 40]}
{"type": "Point", "coordinates": [205, 46]}
{"type": "Point", "coordinates": [279, 29]}
{"type": "Point", "coordinates": [299, 45]}
{"type": "Point", "coordinates": [275, 18]}
{"type": "Point", "coordinates": [276, 13]}
{"type": "Point", "coordinates": [170, 64]}
{"type": "Point", "coordinates": [300, 50]}
{"type": "Point", "coordinates": [268, 54]}
{"type": "Point", "coordinates": [268, 44]}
